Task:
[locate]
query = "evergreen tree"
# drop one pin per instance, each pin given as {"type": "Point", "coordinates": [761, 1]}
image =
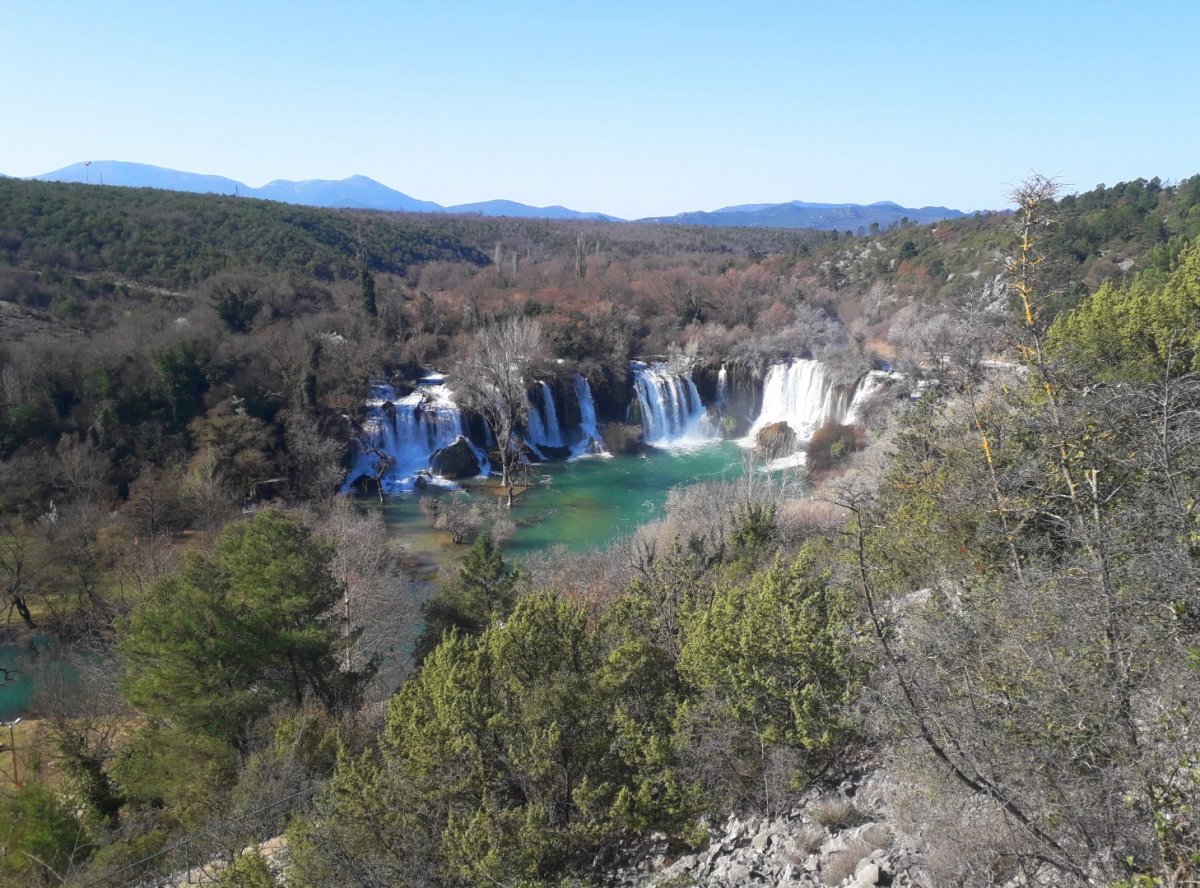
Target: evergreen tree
{"type": "Point", "coordinates": [773, 657]}
{"type": "Point", "coordinates": [42, 837]}
{"type": "Point", "coordinates": [483, 590]}
{"type": "Point", "coordinates": [213, 646]}
{"type": "Point", "coordinates": [1138, 332]}
{"type": "Point", "coordinates": [368, 292]}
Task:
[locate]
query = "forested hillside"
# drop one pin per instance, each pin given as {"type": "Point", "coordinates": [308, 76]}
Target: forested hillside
{"type": "Point", "coordinates": [172, 239]}
{"type": "Point", "coordinates": [984, 589]}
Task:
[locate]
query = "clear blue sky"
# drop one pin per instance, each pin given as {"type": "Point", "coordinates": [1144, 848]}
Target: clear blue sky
{"type": "Point", "coordinates": [631, 108]}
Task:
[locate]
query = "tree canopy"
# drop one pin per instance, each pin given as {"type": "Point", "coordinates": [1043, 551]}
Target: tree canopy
{"type": "Point", "coordinates": [213, 646]}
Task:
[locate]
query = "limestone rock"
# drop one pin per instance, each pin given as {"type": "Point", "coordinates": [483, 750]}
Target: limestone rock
{"type": "Point", "coordinates": [786, 850]}
{"type": "Point", "coordinates": [456, 461]}
{"type": "Point", "coordinates": [866, 873]}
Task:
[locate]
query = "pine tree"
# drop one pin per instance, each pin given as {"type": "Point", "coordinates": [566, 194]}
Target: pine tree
{"type": "Point", "coordinates": [368, 293]}
{"type": "Point", "coordinates": [212, 647]}
{"type": "Point", "coordinates": [483, 590]}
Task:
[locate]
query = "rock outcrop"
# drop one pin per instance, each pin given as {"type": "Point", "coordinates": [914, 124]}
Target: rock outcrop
{"type": "Point", "coordinates": [823, 840]}
{"type": "Point", "coordinates": [620, 438]}
{"type": "Point", "coordinates": [776, 440]}
{"type": "Point", "coordinates": [455, 462]}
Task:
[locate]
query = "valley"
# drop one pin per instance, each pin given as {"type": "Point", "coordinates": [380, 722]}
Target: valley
{"type": "Point", "coordinates": [525, 551]}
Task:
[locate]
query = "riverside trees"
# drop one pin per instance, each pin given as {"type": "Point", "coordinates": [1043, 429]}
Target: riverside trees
{"type": "Point", "coordinates": [213, 646]}
{"type": "Point", "coordinates": [492, 381]}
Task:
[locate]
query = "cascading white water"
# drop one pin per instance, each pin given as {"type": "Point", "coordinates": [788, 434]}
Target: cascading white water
{"type": "Point", "coordinates": [672, 413]}
{"type": "Point", "coordinates": [800, 394]}
{"type": "Point", "coordinates": [554, 435]}
{"type": "Point", "coordinates": [590, 442]}
{"type": "Point", "coordinates": [406, 431]}
{"type": "Point", "coordinates": [722, 387]}
{"type": "Point", "coordinates": [866, 387]}
{"type": "Point", "coordinates": [542, 428]}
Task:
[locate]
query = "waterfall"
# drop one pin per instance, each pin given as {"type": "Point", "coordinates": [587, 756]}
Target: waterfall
{"type": "Point", "coordinates": [407, 431]}
{"type": "Point", "coordinates": [866, 387]}
{"type": "Point", "coordinates": [800, 394]}
{"type": "Point", "coordinates": [722, 386]}
{"type": "Point", "coordinates": [554, 435]}
{"type": "Point", "coordinates": [542, 428]}
{"type": "Point", "coordinates": [671, 410]}
{"type": "Point", "coordinates": [589, 442]}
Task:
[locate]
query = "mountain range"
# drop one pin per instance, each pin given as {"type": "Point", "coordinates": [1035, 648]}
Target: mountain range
{"type": "Point", "coordinates": [800, 214]}
{"type": "Point", "coordinates": [361, 192]}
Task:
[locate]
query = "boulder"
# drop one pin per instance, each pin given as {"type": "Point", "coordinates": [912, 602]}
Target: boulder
{"type": "Point", "coordinates": [620, 438]}
{"type": "Point", "coordinates": [738, 874]}
{"type": "Point", "coordinates": [456, 461]}
{"type": "Point", "coordinates": [866, 874]}
{"type": "Point", "coordinates": [762, 840]}
{"type": "Point", "coordinates": [776, 440]}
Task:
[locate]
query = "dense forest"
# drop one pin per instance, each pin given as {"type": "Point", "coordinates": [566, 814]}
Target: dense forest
{"type": "Point", "coordinates": [986, 589]}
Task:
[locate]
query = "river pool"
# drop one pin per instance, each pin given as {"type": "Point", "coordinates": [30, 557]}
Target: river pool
{"type": "Point", "coordinates": [581, 504]}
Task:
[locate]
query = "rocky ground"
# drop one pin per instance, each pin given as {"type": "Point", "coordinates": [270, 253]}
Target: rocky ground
{"type": "Point", "coordinates": [842, 838]}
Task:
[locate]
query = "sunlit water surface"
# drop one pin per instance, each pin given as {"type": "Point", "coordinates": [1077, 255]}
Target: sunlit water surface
{"type": "Point", "coordinates": [582, 504]}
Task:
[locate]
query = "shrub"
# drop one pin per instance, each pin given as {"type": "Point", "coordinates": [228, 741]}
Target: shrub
{"type": "Point", "coordinates": [753, 528]}
{"type": "Point", "coordinates": [832, 445]}
{"type": "Point", "coordinates": [772, 659]}
{"type": "Point", "coordinates": [835, 812]}
{"type": "Point", "coordinates": [248, 870]}
{"type": "Point", "coordinates": [841, 865]}
{"type": "Point", "coordinates": [808, 840]}
{"type": "Point", "coordinates": [42, 837]}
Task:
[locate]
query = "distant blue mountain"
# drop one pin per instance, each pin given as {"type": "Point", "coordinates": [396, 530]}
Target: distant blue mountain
{"type": "Point", "coordinates": [799, 214]}
{"type": "Point", "coordinates": [142, 175]}
{"type": "Point", "coordinates": [356, 192]}
{"type": "Point", "coordinates": [523, 211]}
{"type": "Point", "coordinates": [360, 192]}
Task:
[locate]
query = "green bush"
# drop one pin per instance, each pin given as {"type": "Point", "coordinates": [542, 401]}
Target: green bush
{"type": "Point", "coordinates": [41, 836]}
{"type": "Point", "coordinates": [830, 446]}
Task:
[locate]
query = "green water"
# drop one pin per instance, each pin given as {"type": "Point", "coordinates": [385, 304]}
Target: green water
{"type": "Point", "coordinates": [585, 504]}
{"type": "Point", "coordinates": [588, 503]}
{"type": "Point", "coordinates": [24, 666]}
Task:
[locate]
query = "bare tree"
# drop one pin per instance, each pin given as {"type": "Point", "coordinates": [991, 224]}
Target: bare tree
{"type": "Point", "coordinates": [580, 256]}
{"type": "Point", "coordinates": [376, 612]}
{"type": "Point", "coordinates": [23, 559]}
{"type": "Point", "coordinates": [1033, 636]}
{"type": "Point", "coordinates": [492, 382]}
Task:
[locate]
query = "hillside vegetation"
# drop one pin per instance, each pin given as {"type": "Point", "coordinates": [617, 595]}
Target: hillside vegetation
{"type": "Point", "coordinates": [992, 592]}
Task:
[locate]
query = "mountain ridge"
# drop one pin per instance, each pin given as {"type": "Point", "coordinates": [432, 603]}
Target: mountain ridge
{"type": "Point", "coordinates": [804, 214]}
{"type": "Point", "coordinates": [364, 193]}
